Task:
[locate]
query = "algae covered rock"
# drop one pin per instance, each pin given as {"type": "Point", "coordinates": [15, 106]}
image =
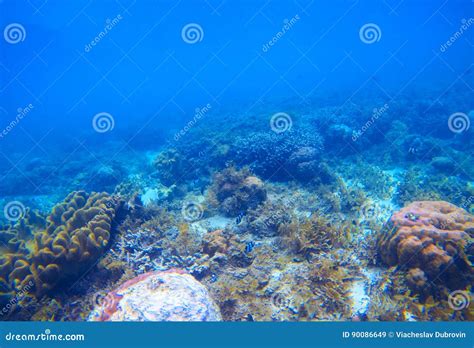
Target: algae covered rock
{"type": "Point", "coordinates": [158, 296]}
{"type": "Point", "coordinates": [434, 240]}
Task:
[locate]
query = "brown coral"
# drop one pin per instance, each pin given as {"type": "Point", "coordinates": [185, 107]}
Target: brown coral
{"type": "Point", "coordinates": [235, 191]}
{"type": "Point", "coordinates": [73, 237]}
{"type": "Point", "coordinates": [434, 236]}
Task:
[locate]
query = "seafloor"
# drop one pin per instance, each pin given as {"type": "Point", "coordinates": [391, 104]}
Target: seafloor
{"type": "Point", "coordinates": [283, 218]}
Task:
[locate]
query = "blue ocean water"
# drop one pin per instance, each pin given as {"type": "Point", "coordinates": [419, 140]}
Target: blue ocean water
{"type": "Point", "coordinates": [349, 109]}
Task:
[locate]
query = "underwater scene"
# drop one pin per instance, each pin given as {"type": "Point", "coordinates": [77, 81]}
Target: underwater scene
{"type": "Point", "coordinates": [218, 160]}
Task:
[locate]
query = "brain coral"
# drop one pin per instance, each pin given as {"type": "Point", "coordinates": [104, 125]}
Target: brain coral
{"type": "Point", "coordinates": [433, 238]}
{"type": "Point", "coordinates": [158, 296]}
{"type": "Point", "coordinates": [46, 252]}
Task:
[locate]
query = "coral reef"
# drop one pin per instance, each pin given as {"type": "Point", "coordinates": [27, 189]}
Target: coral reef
{"type": "Point", "coordinates": [434, 241]}
{"type": "Point", "coordinates": [158, 296]}
{"type": "Point", "coordinates": [235, 191]}
{"type": "Point", "coordinates": [170, 167]}
{"type": "Point", "coordinates": [53, 251]}
{"type": "Point", "coordinates": [312, 235]}
{"type": "Point", "coordinates": [269, 153]}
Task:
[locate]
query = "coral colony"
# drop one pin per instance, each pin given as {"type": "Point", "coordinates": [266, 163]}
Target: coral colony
{"type": "Point", "coordinates": [316, 221]}
{"type": "Point", "coordinates": [237, 161]}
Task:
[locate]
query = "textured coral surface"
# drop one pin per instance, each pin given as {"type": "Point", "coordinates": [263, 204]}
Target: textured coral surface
{"type": "Point", "coordinates": [158, 296]}
{"type": "Point", "coordinates": [432, 238]}
{"type": "Point", "coordinates": [41, 254]}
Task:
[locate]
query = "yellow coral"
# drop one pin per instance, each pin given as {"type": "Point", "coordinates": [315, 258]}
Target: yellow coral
{"type": "Point", "coordinates": [48, 252]}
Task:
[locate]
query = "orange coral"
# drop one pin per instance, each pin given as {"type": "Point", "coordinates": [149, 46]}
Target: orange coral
{"type": "Point", "coordinates": [434, 236]}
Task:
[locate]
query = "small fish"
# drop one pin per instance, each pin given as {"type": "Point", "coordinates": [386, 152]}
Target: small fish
{"type": "Point", "coordinates": [213, 278]}
{"type": "Point", "coordinates": [239, 218]}
{"type": "Point", "coordinates": [249, 247]}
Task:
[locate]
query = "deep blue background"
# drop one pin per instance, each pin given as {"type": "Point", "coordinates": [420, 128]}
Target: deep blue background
{"type": "Point", "coordinates": [150, 80]}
